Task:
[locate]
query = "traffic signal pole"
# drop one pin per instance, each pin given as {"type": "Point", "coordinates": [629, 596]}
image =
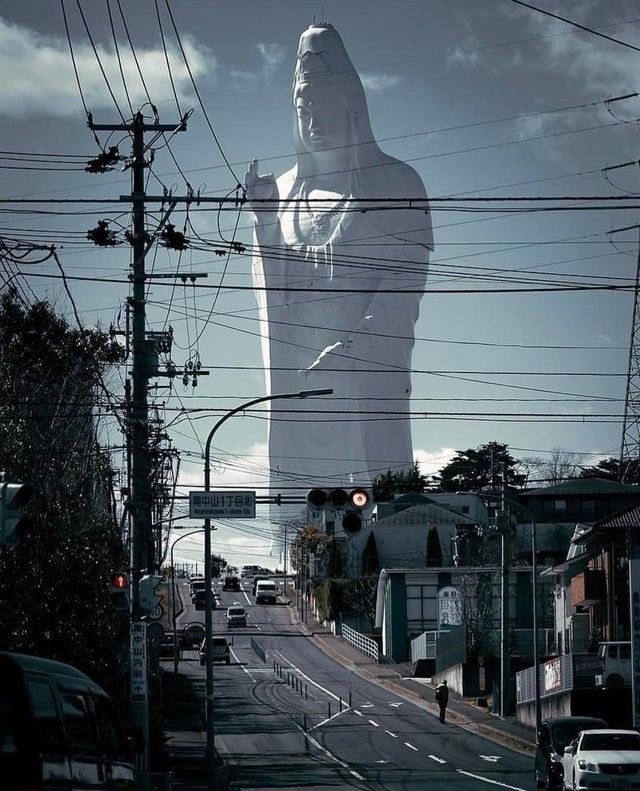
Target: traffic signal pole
{"type": "Point", "coordinates": [142, 545]}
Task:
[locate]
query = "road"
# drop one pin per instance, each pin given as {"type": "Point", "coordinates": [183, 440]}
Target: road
{"type": "Point", "coordinates": [293, 727]}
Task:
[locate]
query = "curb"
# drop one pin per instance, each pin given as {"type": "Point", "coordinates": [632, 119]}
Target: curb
{"type": "Point", "coordinates": [495, 735]}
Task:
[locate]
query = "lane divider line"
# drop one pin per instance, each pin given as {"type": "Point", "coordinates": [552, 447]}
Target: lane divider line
{"type": "Point", "coordinates": [310, 680]}
{"type": "Point", "coordinates": [487, 780]}
{"type": "Point", "coordinates": [324, 722]}
{"type": "Point", "coordinates": [242, 664]}
{"type": "Point", "coordinates": [407, 744]}
{"type": "Point", "coordinates": [374, 723]}
{"type": "Point", "coordinates": [435, 758]}
{"type": "Point", "coordinates": [328, 753]}
{"type": "Point", "coordinates": [391, 734]}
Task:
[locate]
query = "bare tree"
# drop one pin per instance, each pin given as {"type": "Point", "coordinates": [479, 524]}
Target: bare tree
{"type": "Point", "coordinates": [561, 465]}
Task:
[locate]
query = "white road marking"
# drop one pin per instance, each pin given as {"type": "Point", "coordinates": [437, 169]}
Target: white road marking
{"type": "Point", "coordinates": [328, 753]}
{"type": "Point", "coordinates": [391, 734]}
{"type": "Point", "coordinates": [310, 680]}
{"type": "Point", "coordinates": [367, 706]}
{"type": "Point", "coordinates": [412, 747]}
{"type": "Point", "coordinates": [395, 705]}
{"type": "Point", "coordinates": [241, 665]}
{"type": "Point", "coordinates": [328, 719]}
{"type": "Point", "coordinates": [493, 758]}
{"type": "Point", "coordinates": [359, 713]}
{"type": "Point", "coordinates": [246, 597]}
{"type": "Point", "coordinates": [438, 760]}
{"type": "Point", "coordinates": [486, 780]}
{"type": "Point", "coordinates": [373, 722]}
{"type": "Point", "coordinates": [382, 762]}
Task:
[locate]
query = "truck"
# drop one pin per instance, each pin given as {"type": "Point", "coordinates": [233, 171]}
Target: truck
{"type": "Point", "coordinates": [266, 592]}
{"type": "Point", "coordinates": [615, 664]}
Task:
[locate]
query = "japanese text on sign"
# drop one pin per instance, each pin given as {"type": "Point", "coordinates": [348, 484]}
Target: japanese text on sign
{"type": "Point", "coordinates": [222, 505]}
{"type": "Point", "coordinates": [138, 660]}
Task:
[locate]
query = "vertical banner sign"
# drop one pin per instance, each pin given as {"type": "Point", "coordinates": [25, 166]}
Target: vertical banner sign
{"type": "Point", "coordinates": [139, 660]}
{"type": "Point", "coordinates": [634, 594]}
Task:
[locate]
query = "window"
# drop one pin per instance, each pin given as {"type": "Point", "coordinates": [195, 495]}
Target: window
{"type": "Point", "coordinates": [109, 729]}
{"type": "Point", "coordinates": [559, 505]}
{"type": "Point", "coordinates": [589, 507]}
{"type": "Point", "coordinates": [464, 509]}
{"type": "Point", "coordinates": [79, 723]}
{"type": "Point", "coordinates": [625, 652]}
{"type": "Point", "coordinates": [48, 725]}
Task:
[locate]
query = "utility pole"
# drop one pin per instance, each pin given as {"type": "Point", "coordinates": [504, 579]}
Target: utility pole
{"type": "Point", "coordinates": [504, 599]}
{"type": "Point", "coordinates": [142, 544]}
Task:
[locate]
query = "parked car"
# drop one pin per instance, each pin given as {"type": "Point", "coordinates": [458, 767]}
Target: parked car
{"type": "Point", "coordinates": [231, 584]}
{"type": "Point", "coordinates": [58, 729]}
{"type": "Point", "coordinates": [236, 616]}
{"type": "Point", "coordinates": [266, 592]}
{"type": "Point", "coordinates": [603, 758]}
{"type": "Point", "coordinates": [219, 648]}
{"type": "Point", "coordinates": [615, 664]}
{"type": "Point", "coordinates": [554, 735]}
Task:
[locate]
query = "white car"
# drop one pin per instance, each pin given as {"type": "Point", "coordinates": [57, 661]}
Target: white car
{"type": "Point", "coordinates": [603, 758]}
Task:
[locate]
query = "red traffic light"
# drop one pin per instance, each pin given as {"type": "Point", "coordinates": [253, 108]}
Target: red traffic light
{"type": "Point", "coordinates": [359, 498]}
{"type": "Point", "coordinates": [120, 580]}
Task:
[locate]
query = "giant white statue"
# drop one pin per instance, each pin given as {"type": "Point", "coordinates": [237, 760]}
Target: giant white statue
{"type": "Point", "coordinates": [327, 275]}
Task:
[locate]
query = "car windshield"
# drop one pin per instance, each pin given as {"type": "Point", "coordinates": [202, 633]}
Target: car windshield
{"type": "Point", "coordinates": [236, 611]}
{"type": "Point", "coordinates": [219, 641]}
{"type": "Point", "coordinates": [564, 734]}
{"type": "Point", "coordinates": [610, 741]}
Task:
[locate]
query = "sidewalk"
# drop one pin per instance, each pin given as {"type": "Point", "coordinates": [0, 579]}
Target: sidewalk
{"type": "Point", "coordinates": [506, 731]}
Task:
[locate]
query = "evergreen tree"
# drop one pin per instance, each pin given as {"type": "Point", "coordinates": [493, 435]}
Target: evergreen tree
{"type": "Point", "coordinates": [475, 469]}
{"type": "Point", "coordinates": [370, 559]}
{"type": "Point", "coordinates": [391, 483]}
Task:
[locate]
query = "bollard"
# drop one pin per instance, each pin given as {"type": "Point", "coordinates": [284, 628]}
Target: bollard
{"type": "Point", "coordinates": [306, 693]}
{"type": "Point", "coordinates": [329, 710]}
{"type": "Point", "coordinates": [349, 698]}
{"type": "Point", "coordinates": [295, 686]}
{"type": "Point", "coordinates": [305, 723]}
{"type": "Point", "coordinates": [340, 704]}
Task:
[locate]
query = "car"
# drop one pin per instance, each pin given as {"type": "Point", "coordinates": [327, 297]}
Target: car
{"type": "Point", "coordinates": [552, 737]}
{"type": "Point", "coordinates": [249, 571]}
{"type": "Point", "coordinates": [256, 580]}
{"type": "Point", "coordinates": [231, 584]}
{"type": "Point", "coordinates": [219, 648]}
{"type": "Point", "coordinates": [236, 616]}
{"type": "Point", "coordinates": [200, 598]}
{"type": "Point", "coordinates": [59, 728]}
{"type": "Point", "coordinates": [602, 758]}
{"type": "Point", "coordinates": [266, 592]}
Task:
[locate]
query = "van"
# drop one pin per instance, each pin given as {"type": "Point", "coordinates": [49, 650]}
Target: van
{"type": "Point", "coordinates": [266, 592]}
{"type": "Point", "coordinates": [554, 735]}
{"type": "Point", "coordinates": [615, 664]}
{"type": "Point", "coordinates": [236, 616]}
{"type": "Point", "coordinates": [58, 729]}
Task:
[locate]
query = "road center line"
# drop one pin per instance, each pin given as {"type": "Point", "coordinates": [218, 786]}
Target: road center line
{"type": "Point", "coordinates": [359, 713]}
{"type": "Point", "coordinates": [328, 753]}
{"type": "Point", "coordinates": [374, 723]}
{"type": "Point", "coordinates": [328, 719]}
{"type": "Point", "coordinates": [310, 680]}
{"type": "Point", "coordinates": [241, 664]}
{"type": "Point", "coordinates": [439, 760]}
{"type": "Point", "coordinates": [391, 734]}
{"type": "Point", "coordinates": [412, 747]}
{"type": "Point", "coordinates": [486, 780]}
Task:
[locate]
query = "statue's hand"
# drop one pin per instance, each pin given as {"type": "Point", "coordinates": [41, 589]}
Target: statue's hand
{"type": "Point", "coordinates": [260, 188]}
{"type": "Point", "coordinates": [326, 359]}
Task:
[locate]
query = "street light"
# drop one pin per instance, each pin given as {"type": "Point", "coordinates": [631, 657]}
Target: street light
{"type": "Point", "coordinates": [173, 598]}
{"type": "Point", "coordinates": [208, 611]}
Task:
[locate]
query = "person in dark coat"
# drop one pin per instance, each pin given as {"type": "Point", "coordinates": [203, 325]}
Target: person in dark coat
{"type": "Point", "coordinates": [442, 697]}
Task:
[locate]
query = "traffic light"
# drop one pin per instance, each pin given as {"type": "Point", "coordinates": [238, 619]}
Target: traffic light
{"type": "Point", "coordinates": [351, 501]}
{"type": "Point", "coordinates": [120, 591]}
{"type": "Point", "coordinates": [148, 597]}
{"type": "Point", "coordinates": [13, 497]}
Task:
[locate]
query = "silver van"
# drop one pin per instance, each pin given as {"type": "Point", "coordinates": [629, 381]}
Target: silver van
{"type": "Point", "coordinates": [58, 730]}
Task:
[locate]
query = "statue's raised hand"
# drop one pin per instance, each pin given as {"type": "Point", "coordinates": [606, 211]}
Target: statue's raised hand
{"type": "Point", "coordinates": [259, 188]}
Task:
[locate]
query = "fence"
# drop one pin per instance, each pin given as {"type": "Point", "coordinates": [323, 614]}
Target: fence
{"type": "Point", "coordinates": [451, 648]}
{"type": "Point", "coordinates": [361, 642]}
{"type": "Point", "coordinates": [258, 649]}
{"type": "Point", "coordinates": [424, 646]}
{"type": "Point", "coordinates": [563, 673]}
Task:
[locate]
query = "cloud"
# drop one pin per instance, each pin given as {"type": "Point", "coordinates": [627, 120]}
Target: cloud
{"type": "Point", "coordinates": [379, 82]}
{"type": "Point", "coordinates": [38, 74]}
{"type": "Point", "coordinates": [468, 57]}
{"type": "Point", "coordinates": [241, 470]}
{"type": "Point", "coordinates": [431, 462]}
{"type": "Point", "coordinates": [271, 56]}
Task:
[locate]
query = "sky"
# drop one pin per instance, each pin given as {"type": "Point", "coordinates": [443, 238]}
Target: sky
{"type": "Point", "coordinates": [482, 99]}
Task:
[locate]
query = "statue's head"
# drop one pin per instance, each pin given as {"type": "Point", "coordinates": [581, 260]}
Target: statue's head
{"type": "Point", "coordinates": [329, 101]}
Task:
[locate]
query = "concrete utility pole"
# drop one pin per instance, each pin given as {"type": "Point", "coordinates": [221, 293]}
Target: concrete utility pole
{"type": "Point", "coordinates": [504, 599]}
{"type": "Point", "coordinates": [142, 545]}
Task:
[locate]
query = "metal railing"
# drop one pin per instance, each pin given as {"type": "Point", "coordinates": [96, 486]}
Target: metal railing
{"type": "Point", "coordinates": [361, 642]}
{"type": "Point", "coordinates": [258, 649]}
{"type": "Point", "coordinates": [451, 648]}
{"type": "Point", "coordinates": [561, 674]}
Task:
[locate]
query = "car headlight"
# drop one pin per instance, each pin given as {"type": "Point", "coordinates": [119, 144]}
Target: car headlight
{"type": "Point", "coordinates": [587, 766]}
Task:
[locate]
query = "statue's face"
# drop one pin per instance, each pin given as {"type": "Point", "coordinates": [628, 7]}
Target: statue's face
{"type": "Point", "coordinates": [323, 121]}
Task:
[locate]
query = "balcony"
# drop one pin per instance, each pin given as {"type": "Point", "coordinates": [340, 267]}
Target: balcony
{"type": "Point", "coordinates": [588, 587]}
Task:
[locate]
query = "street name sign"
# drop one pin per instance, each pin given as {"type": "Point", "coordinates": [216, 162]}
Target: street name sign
{"type": "Point", "coordinates": [222, 505]}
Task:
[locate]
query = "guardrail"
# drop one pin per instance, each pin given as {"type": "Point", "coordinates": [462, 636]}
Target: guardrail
{"type": "Point", "coordinates": [361, 642]}
{"type": "Point", "coordinates": [259, 650]}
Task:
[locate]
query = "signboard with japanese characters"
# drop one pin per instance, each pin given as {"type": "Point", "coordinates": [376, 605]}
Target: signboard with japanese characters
{"type": "Point", "coordinates": [222, 505]}
{"type": "Point", "coordinates": [139, 689]}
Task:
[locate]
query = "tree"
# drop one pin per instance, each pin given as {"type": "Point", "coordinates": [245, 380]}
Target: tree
{"type": "Point", "coordinates": [391, 483]}
{"type": "Point", "coordinates": [610, 470]}
{"type": "Point", "coordinates": [561, 465]}
{"type": "Point", "coordinates": [55, 598]}
{"type": "Point", "coordinates": [472, 470]}
{"type": "Point", "coordinates": [370, 559]}
{"type": "Point", "coordinates": [434, 548]}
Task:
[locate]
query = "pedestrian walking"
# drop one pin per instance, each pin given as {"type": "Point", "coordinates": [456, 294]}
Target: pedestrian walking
{"type": "Point", "coordinates": [442, 697]}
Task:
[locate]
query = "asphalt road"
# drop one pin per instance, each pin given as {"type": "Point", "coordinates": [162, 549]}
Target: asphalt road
{"type": "Point", "coordinates": [293, 727]}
